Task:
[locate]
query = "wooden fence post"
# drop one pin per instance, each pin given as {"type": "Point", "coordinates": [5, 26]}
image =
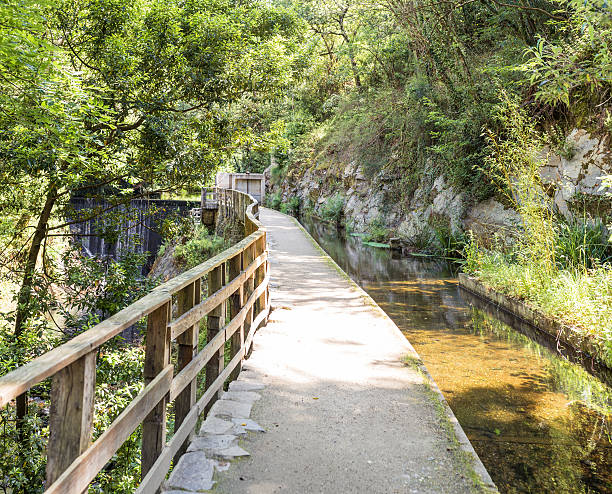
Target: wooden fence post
{"type": "Point", "coordinates": [260, 275]}
{"type": "Point", "coordinates": [215, 321]}
{"type": "Point", "coordinates": [71, 414]}
{"type": "Point", "coordinates": [248, 257]}
{"type": "Point", "coordinates": [157, 357]}
{"type": "Point", "coordinates": [236, 303]}
{"type": "Point", "coordinates": [187, 349]}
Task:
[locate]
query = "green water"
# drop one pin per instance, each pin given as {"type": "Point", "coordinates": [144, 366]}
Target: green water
{"type": "Point", "coordinates": [539, 423]}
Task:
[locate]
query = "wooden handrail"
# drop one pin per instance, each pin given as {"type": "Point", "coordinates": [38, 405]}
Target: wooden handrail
{"type": "Point", "coordinates": [72, 460]}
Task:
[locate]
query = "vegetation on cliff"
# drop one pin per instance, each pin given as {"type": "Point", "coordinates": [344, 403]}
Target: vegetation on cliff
{"type": "Point", "coordinates": [406, 89]}
{"type": "Point", "coordinates": [477, 93]}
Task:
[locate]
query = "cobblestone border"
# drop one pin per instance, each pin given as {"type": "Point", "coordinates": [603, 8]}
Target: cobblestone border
{"type": "Point", "coordinates": [217, 442]}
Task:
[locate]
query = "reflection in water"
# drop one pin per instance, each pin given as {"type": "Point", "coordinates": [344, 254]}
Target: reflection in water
{"type": "Point", "coordinates": [538, 422]}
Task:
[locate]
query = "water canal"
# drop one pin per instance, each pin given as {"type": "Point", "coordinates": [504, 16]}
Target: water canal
{"type": "Point", "coordinates": [539, 423]}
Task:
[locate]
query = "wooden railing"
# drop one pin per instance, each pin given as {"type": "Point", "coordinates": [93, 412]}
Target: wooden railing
{"type": "Point", "coordinates": [237, 279]}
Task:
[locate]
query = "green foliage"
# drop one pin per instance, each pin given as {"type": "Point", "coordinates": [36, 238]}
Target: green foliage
{"type": "Point", "coordinates": [333, 209]}
{"type": "Point", "coordinates": [199, 247]}
{"type": "Point", "coordinates": [377, 232]}
{"type": "Point", "coordinates": [23, 465]}
{"type": "Point", "coordinates": [449, 243]}
{"type": "Point", "coordinates": [292, 206]}
{"type": "Point", "coordinates": [514, 163]}
{"type": "Point", "coordinates": [582, 244]}
{"type": "Point", "coordinates": [97, 287]}
{"type": "Point", "coordinates": [274, 201]}
{"type": "Point", "coordinates": [575, 69]}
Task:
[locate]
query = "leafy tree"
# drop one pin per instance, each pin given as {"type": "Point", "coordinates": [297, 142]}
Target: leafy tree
{"type": "Point", "coordinates": [117, 99]}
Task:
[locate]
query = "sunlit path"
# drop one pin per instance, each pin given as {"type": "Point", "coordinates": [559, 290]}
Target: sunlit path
{"type": "Point", "coordinates": [341, 410]}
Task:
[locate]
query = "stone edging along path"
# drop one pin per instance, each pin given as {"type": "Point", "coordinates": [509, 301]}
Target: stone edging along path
{"type": "Point", "coordinates": [217, 441]}
{"type": "Point", "coordinates": [588, 345]}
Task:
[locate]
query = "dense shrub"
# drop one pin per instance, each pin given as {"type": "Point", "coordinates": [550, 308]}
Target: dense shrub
{"type": "Point", "coordinates": [201, 246]}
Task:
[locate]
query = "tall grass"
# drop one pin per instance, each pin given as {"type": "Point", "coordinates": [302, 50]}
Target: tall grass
{"type": "Point", "coordinates": [561, 268]}
{"type": "Point", "coordinates": [514, 163]}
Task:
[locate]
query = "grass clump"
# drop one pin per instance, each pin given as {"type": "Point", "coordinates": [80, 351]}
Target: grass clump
{"type": "Point", "coordinates": [333, 209]}
{"type": "Point", "coordinates": [377, 231]}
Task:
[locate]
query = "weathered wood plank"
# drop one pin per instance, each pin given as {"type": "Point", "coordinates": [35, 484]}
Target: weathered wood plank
{"type": "Point", "coordinates": [84, 469]}
{"type": "Point", "coordinates": [157, 357]}
{"type": "Point", "coordinates": [203, 357]}
{"type": "Point", "coordinates": [214, 323]}
{"type": "Point", "coordinates": [71, 414]}
{"type": "Point", "coordinates": [235, 306]}
{"type": "Point", "coordinates": [21, 379]}
{"type": "Point", "coordinates": [194, 367]}
{"type": "Point", "coordinates": [187, 349]}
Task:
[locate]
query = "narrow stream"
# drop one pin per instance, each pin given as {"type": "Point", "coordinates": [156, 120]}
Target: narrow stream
{"type": "Point", "coordinates": [539, 423]}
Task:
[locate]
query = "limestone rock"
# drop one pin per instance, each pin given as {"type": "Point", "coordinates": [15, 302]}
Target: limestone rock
{"type": "Point", "coordinates": [232, 452]}
{"type": "Point", "coordinates": [242, 396]}
{"type": "Point", "coordinates": [490, 216]}
{"type": "Point", "coordinates": [580, 173]}
{"type": "Point", "coordinates": [193, 472]}
{"type": "Point", "coordinates": [212, 443]}
{"type": "Point", "coordinates": [227, 408]}
{"type": "Point", "coordinates": [249, 424]}
{"type": "Point", "coordinates": [215, 425]}
{"type": "Point", "coordinates": [245, 386]}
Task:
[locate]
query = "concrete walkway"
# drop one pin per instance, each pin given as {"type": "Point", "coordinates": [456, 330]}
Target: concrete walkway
{"type": "Point", "coordinates": [342, 411]}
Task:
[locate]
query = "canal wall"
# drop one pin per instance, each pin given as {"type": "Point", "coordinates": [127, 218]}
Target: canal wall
{"type": "Point", "coordinates": [430, 205]}
{"type": "Point", "coordinates": [588, 347]}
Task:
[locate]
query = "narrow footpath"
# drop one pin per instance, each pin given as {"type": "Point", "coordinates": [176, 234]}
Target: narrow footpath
{"type": "Point", "coordinates": [344, 405]}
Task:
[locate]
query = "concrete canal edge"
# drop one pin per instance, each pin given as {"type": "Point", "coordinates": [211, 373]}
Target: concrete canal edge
{"type": "Point", "coordinates": [588, 345]}
{"type": "Point", "coordinates": [469, 457]}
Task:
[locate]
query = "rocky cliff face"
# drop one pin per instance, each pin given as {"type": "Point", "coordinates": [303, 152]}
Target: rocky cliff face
{"type": "Point", "coordinates": [575, 179]}
{"type": "Point", "coordinates": [572, 180]}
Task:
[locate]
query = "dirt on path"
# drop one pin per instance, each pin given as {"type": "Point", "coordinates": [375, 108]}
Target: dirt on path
{"type": "Point", "coordinates": [346, 407]}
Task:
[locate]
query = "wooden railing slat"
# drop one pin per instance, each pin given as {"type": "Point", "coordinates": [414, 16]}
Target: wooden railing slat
{"type": "Point", "coordinates": [85, 468]}
{"type": "Point", "coordinates": [214, 323]}
{"type": "Point", "coordinates": [157, 358]}
{"type": "Point", "coordinates": [194, 315]}
{"type": "Point", "coordinates": [187, 349]}
{"type": "Point", "coordinates": [236, 302]}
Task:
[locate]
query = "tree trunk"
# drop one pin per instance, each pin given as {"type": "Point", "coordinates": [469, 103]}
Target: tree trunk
{"type": "Point", "coordinates": [25, 293]}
